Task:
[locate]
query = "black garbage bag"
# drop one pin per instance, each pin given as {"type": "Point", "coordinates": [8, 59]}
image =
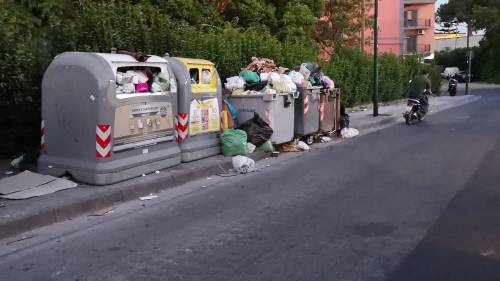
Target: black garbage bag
{"type": "Point", "coordinates": [258, 86]}
{"type": "Point", "coordinates": [344, 117]}
{"type": "Point", "coordinates": [258, 131]}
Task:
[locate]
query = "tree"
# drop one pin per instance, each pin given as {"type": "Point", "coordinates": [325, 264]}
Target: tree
{"type": "Point", "coordinates": [478, 15]}
{"type": "Point", "coordinates": [340, 24]}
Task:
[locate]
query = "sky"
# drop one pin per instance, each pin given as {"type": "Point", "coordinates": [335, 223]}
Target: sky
{"type": "Point", "coordinates": [461, 28]}
{"type": "Point", "coordinates": [439, 2]}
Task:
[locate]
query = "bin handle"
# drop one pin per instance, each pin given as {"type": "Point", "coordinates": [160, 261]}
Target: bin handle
{"type": "Point", "coordinates": [295, 95]}
{"type": "Point", "coordinates": [286, 101]}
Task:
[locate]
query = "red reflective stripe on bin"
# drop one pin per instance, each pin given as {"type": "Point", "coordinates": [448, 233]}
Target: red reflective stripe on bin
{"type": "Point", "coordinates": [103, 141]}
{"type": "Point", "coordinates": [181, 126]}
{"type": "Point", "coordinates": [42, 136]}
{"type": "Point", "coordinates": [306, 104]}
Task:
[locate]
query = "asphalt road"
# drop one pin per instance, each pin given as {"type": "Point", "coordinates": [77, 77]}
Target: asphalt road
{"type": "Point", "coordinates": [415, 202]}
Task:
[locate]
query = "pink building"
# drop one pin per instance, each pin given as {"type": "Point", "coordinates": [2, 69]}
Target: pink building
{"type": "Point", "coordinates": [405, 27]}
{"type": "Point", "coordinates": [419, 18]}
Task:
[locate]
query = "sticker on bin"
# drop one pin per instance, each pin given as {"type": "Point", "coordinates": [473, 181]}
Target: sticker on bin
{"type": "Point", "coordinates": [181, 126]}
{"type": "Point", "coordinates": [204, 116]}
{"type": "Point", "coordinates": [306, 104]}
{"type": "Point", "coordinates": [103, 141]}
{"type": "Point", "coordinates": [42, 136]}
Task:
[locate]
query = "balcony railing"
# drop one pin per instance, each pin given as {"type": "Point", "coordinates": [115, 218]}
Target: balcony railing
{"type": "Point", "coordinates": [418, 49]}
{"type": "Point", "coordinates": [418, 23]}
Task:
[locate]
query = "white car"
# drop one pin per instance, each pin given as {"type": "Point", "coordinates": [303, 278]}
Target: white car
{"type": "Point", "coordinates": [450, 72]}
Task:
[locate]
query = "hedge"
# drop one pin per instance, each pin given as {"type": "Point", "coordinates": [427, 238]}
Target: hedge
{"type": "Point", "coordinates": [353, 73]}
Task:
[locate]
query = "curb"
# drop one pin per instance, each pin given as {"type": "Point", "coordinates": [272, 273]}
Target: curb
{"type": "Point", "coordinates": [113, 194]}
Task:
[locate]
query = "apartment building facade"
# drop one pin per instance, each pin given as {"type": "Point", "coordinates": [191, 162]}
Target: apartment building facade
{"type": "Point", "coordinates": [405, 27]}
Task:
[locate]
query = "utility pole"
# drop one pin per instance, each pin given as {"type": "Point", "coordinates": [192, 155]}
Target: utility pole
{"type": "Point", "coordinates": [363, 23]}
{"type": "Point", "coordinates": [469, 60]}
{"type": "Point", "coordinates": [375, 61]}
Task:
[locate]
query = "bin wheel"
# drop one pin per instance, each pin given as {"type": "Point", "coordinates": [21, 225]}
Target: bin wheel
{"type": "Point", "coordinates": [309, 139]}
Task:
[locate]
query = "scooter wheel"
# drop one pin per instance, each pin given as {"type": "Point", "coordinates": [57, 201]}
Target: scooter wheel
{"type": "Point", "coordinates": [407, 120]}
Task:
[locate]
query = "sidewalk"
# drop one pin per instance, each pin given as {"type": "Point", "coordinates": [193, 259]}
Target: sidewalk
{"type": "Point", "coordinates": [20, 216]}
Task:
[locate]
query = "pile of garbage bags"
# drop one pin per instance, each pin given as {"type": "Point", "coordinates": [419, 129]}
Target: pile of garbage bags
{"type": "Point", "coordinates": [141, 81]}
{"type": "Point", "coordinates": [253, 135]}
{"type": "Point", "coordinates": [263, 75]}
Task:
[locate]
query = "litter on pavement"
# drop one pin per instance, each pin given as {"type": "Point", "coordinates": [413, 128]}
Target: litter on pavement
{"type": "Point", "coordinates": [103, 212]}
{"type": "Point", "coordinates": [303, 146]}
{"type": "Point", "coordinates": [149, 197]}
{"type": "Point", "coordinates": [349, 133]}
{"type": "Point", "coordinates": [28, 184]}
{"type": "Point", "coordinates": [325, 139]}
{"type": "Point", "coordinates": [243, 164]}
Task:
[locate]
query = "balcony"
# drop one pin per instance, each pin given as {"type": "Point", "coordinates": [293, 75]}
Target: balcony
{"type": "Point", "coordinates": [417, 49]}
{"type": "Point", "coordinates": [418, 24]}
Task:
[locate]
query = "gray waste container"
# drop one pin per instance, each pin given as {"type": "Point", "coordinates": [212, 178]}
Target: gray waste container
{"type": "Point", "coordinates": [276, 109]}
{"type": "Point", "coordinates": [198, 121]}
{"type": "Point", "coordinates": [102, 122]}
{"type": "Point", "coordinates": [307, 113]}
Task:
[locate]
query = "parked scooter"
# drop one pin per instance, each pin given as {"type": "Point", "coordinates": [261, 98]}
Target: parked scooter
{"type": "Point", "coordinates": [452, 87]}
{"type": "Point", "coordinates": [415, 110]}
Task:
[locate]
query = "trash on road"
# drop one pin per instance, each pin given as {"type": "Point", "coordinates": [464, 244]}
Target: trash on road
{"type": "Point", "coordinates": [289, 147]}
{"type": "Point", "coordinates": [103, 212]}
{"type": "Point", "coordinates": [149, 197]}
{"type": "Point", "coordinates": [303, 146]}
{"type": "Point", "coordinates": [325, 139]}
{"type": "Point", "coordinates": [349, 133]}
{"type": "Point", "coordinates": [28, 184]}
{"type": "Point", "coordinates": [243, 165]}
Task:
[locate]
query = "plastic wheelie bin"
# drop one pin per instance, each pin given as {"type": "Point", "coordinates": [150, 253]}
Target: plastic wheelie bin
{"type": "Point", "coordinates": [107, 117]}
{"type": "Point", "coordinates": [199, 97]}
{"type": "Point", "coordinates": [329, 110]}
{"type": "Point", "coordinates": [277, 109]}
{"type": "Point", "coordinates": [307, 113]}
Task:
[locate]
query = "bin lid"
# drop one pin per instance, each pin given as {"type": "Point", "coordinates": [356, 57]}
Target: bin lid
{"type": "Point", "coordinates": [113, 58]}
{"type": "Point", "coordinates": [191, 61]}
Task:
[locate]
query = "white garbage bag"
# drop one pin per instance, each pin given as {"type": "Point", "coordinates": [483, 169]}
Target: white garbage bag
{"type": "Point", "coordinates": [155, 87]}
{"type": "Point", "coordinates": [235, 82]}
{"type": "Point", "coordinates": [128, 88]}
{"type": "Point", "coordinates": [304, 71]}
{"type": "Point", "coordinates": [274, 77]}
{"type": "Point", "coordinates": [250, 147]}
{"type": "Point", "coordinates": [349, 133]}
{"type": "Point", "coordinates": [290, 85]}
{"type": "Point", "coordinates": [297, 77]}
{"type": "Point", "coordinates": [123, 78]}
{"type": "Point", "coordinates": [264, 76]}
{"type": "Point", "coordinates": [243, 164]}
{"type": "Point", "coordinates": [206, 76]}
{"type": "Point", "coordinates": [302, 145]}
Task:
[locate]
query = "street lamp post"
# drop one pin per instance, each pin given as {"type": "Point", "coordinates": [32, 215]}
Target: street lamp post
{"type": "Point", "coordinates": [469, 60]}
{"type": "Point", "coordinates": [375, 60]}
